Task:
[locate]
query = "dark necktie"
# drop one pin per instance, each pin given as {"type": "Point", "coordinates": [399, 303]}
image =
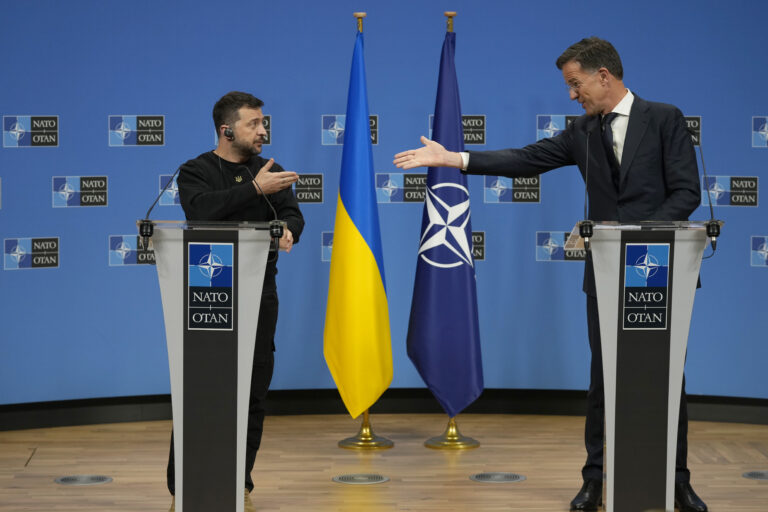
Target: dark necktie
{"type": "Point", "coordinates": [608, 145]}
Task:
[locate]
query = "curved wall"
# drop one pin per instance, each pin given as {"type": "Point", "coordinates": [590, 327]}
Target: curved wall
{"type": "Point", "coordinates": [93, 327]}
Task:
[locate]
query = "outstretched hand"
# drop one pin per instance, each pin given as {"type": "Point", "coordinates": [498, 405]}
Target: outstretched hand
{"type": "Point", "coordinates": [271, 182]}
{"type": "Point", "coordinates": [432, 154]}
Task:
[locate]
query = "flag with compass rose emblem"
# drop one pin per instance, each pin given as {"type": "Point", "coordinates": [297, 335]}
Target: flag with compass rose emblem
{"type": "Point", "coordinates": [443, 332]}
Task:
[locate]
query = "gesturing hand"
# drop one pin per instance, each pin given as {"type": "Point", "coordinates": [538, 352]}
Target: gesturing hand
{"type": "Point", "coordinates": [433, 154]}
{"type": "Point", "coordinates": [271, 182]}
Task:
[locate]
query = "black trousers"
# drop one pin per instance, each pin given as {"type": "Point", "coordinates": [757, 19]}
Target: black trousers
{"type": "Point", "coordinates": [595, 428]}
{"type": "Point", "coordinates": [261, 376]}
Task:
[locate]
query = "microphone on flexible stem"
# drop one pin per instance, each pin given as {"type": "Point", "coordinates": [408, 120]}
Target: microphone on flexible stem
{"type": "Point", "coordinates": [586, 226]}
{"type": "Point", "coordinates": [146, 228]}
{"type": "Point", "coordinates": [713, 226]}
{"type": "Point", "coordinates": [275, 226]}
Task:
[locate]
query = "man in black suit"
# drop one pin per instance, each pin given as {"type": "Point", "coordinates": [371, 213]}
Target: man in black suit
{"type": "Point", "coordinates": [642, 166]}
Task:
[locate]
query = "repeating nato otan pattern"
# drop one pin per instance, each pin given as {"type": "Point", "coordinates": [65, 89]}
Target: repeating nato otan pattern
{"type": "Point", "coordinates": [95, 124]}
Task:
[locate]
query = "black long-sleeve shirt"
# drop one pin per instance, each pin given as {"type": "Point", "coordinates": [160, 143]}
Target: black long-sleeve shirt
{"type": "Point", "coordinates": [213, 189]}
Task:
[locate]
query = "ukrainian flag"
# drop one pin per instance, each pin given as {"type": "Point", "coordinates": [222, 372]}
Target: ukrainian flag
{"type": "Point", "coordinates": [357, 343]}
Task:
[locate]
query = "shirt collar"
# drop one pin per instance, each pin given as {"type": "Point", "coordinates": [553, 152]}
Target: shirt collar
{"type": "Point", "coordinates": [625, 105]}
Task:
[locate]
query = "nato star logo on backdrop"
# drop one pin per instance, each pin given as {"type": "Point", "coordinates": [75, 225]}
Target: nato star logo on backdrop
{"type": "Point", "coordinates": [30, 131]}
{"type": "Point", "coordinates": [760, 132]}
{"type": "Point", "coordinates": [15, 132]}
{"type": "Point", "coordinates": [126, 250]}
{"type": "Point", "coordinates": [76, 191]}
{"type": "Point", "coordinates": [28, 253]}
{"type": "Point", "coordinates": [66, 191]}
{"type": "Point", "coordinates": [389, 187]}
{"type": "Point", "coordinates": [497, 189]}
{"type": "Point", "coordinates": [401, 188]}
{"type": "Point", "coordinates": [122, 250]}
{"type": "Point", "coordinates": [447, 242]}
{"type": "Point", "coordinates": [718, 188]}
{"type": "Point", "coordinates": [759, 251]}
{"type": "Point", "coordinates": [333, 129]}
{"type": "Point", "coordinates": [17, 253]}
{"type": "Point", "coordinates": [135, 130]}
{"type": "Point", "coordinates": [171, 195]}
{"type": "Point", "coordinates": [549, 125]}
{"type": "Point", "coordinates": [326, 245]}
{"type": "Point", "coordinates": [730, 191]}
{"type": "Point", "coordinates": [122, 130]}
{"type": "Point", "coordinates": [550, 245]}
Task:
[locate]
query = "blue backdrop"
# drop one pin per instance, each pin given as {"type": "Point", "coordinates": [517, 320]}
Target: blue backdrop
{"type": "Point", "coordinates": [84, 84]}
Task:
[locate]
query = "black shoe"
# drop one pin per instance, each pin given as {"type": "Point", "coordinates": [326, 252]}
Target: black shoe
{"type": "Point", "coordinates": [686, 500]}
{"type": "Point", "coordinates": [590, 496]}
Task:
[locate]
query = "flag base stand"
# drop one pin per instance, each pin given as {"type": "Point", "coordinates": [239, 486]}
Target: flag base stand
{"type": "Point", "coordinates": [366, 439]}
{"type": "Point", "coordinates": [451, 439]}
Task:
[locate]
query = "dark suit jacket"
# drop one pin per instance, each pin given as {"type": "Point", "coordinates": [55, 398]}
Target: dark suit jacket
{"type": "Point", "coordinates": [659, 175]}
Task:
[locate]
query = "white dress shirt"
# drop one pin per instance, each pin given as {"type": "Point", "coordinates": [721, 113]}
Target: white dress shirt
{"type": "Point", "coordinates": [620, 123]}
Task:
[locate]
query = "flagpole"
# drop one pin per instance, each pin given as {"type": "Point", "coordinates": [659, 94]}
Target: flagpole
{"type": "Point", "coordinates": [365, 439]}
{"type": "Point", "coordinates": [451, 439]}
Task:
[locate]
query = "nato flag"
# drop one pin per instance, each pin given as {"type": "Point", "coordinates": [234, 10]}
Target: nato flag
{"type": "Point", "coordinates": [443, 333]}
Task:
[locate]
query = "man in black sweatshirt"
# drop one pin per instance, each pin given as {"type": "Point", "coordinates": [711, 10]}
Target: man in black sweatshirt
{"type": "Point", "coordinates": [230, 184]}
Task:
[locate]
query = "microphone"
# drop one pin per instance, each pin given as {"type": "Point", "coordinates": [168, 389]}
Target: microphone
{"type": "Point", "coordinates": [586, 226]}
{"type": "Point", "coordinates": [713, 226]}
{"type": "Point", "coordinates": [146, 228]}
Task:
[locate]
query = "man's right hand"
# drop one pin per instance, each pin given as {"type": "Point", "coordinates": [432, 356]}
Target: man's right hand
{"type": "Point", "coordinates": [271, 182]}
{"type": "Point", "coordinates": [432, 154]}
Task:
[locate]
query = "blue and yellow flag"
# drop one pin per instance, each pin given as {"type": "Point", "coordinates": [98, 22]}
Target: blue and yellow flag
{"type": "Point", "coordinates": [443, 332]}
{"type": "Point", "coordinates": [357, 343]}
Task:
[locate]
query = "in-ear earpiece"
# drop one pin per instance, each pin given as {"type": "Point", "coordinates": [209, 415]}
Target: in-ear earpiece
{"type": "Point", "coordinates": [229, 134]}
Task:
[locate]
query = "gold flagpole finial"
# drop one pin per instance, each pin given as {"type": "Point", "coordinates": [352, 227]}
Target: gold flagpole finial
{"type": "Point", "coordinates": [359, 16]}
{"type": "Point", "coordinates": [450, 15]}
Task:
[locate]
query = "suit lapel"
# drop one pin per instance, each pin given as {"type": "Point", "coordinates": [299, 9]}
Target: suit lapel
{"type": "Point", "coordinates": [638, 122]}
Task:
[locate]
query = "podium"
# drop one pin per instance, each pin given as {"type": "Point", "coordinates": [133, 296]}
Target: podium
{"type": "Point", "coordinates": [645, 275]}
{"type": "Point", "coordinates": [211, 275]}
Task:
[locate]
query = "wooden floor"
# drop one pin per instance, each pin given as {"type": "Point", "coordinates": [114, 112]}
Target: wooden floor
{"type": "Point", "coordinates": [299, 457]}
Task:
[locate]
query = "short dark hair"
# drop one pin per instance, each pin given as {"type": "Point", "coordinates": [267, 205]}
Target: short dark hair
{"type": "Point", "coordinates": [593, 53]}
{"type": "Point", "coordinates": [225, 111]}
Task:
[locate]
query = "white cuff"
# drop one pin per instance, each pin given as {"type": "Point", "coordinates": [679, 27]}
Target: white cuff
{"type": "Point", "coordinates": [464, 160]}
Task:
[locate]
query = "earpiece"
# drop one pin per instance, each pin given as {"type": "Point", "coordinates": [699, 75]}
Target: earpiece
{"type": "Point", "coordinates": [229, 134]}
